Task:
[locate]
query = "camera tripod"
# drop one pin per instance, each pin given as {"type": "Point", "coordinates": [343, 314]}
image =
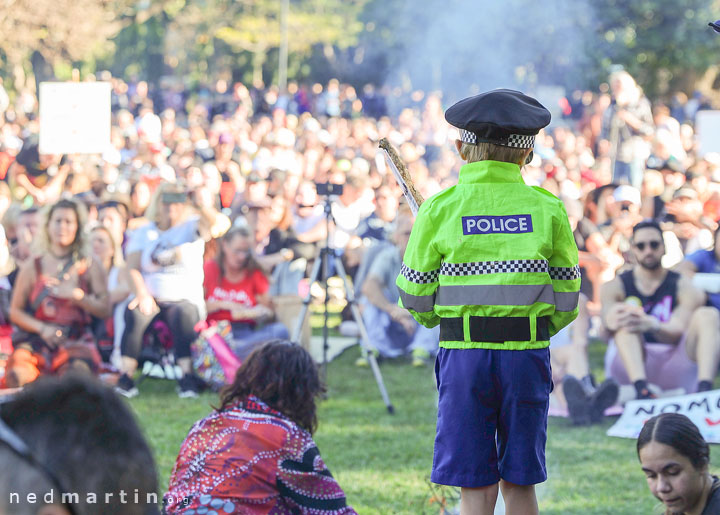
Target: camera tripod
{"type": "Point", "coordinates": [323, 260]}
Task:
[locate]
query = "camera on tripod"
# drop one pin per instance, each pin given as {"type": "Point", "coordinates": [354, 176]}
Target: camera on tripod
{"type": "Point", "coordinates": [328, 188]}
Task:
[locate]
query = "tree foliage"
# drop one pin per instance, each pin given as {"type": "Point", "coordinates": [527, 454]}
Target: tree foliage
{"type": "Point", "coordinates": [663, 43]}
{"type": "Point", "coordinates": [70, 30]}
{"type": "Point", "coordinates": [666, 44]}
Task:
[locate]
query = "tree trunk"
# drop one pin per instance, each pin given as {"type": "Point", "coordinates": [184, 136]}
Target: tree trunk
{"type": "Point", "coordinates": [258, 61]}
{"type": "Point", "coordinates": [19, 77]}
{"type": "Point", "coordinates": [41, 69]}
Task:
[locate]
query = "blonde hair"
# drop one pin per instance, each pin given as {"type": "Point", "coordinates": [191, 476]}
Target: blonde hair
{"type": "Point", "coordinates": [78, 248]}
{"type": "Point", "coordinates": [484, 151]}
{"type": "Point", "coordinates": [117, 259]}
{"type": "Point", "coordinates": [154, 211]}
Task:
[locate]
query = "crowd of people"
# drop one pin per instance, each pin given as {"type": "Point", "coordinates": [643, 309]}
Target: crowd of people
{"type": "Point", "coordinates": [205, 209]}
{"type": "Point", "coordinates": [182, 169]}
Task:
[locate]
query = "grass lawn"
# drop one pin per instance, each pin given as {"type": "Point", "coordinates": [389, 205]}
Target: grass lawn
{"type": "Point", "coordinates": [383, 462]}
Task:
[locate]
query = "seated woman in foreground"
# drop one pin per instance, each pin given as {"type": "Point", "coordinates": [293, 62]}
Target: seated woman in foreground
{"type": "Point", "coordinates": [255, 454]}
{"type": "Point", "coordinates": [676, 459]}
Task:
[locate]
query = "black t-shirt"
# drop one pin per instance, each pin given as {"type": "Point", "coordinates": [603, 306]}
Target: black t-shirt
{"type": "Point", "coordinates": [279, 239]}
{"type": "Point", "coordinates": [585, 228]}
{"type": "Point", "coordinates": [712, 507]}
{"type": "Point", "coordinates": [375, 228]}
{"type": "Point", "coordinates": [661, 303]}
{"type": "Point", "coordinates": [29, 157]}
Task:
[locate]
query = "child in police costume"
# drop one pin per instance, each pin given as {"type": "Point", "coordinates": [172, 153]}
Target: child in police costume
{"type": "Point", "coordinates": [494, 263]}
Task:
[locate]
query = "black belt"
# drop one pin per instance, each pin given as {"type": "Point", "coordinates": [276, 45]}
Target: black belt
{"type": "Point", "coordinates": [494, 329]}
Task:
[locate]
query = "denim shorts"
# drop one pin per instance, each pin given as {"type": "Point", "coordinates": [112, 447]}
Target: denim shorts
{"type": "Point", "coordinates": [492, 416]}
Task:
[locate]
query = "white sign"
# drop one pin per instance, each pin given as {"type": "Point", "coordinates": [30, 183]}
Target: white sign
{"type": "Point", "coordinates": [74, 117]}
{"type": "Point", "coordinates": [707, 128]}
{"type": "Point", "coordinates": [702, 408]}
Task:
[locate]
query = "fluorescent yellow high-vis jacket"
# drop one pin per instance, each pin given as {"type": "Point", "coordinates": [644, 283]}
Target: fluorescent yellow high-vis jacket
{"type": "Point", "coordinates": [493, 261]}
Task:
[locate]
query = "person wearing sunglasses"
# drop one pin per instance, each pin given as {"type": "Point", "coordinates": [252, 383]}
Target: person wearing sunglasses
{"type": "Point", "coordinates": [165, 263]}
{"type": "Point", "coordinates": [649, 310]}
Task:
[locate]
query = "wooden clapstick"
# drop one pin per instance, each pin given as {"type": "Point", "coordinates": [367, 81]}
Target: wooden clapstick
{"type": "Point", "coordinates": [407, 182]}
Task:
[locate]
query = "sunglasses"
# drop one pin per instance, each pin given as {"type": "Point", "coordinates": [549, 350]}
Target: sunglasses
{"type": "Point", "coordinates": [111, 203]}
{"type": "Point", "coordinates": [173, 198]}
{"type": "Point", "coordinates": [16, 444]}
{"type": "Point", "coordinates": [654, 245]}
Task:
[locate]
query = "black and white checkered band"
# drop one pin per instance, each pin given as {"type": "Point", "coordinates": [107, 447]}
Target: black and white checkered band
{"type": "Point", "coordinates": [520, 141]}
{"type": "Point", "coordinates": [418, 277]}
{"type": "Point", "coordinates": [564, 273]}
{"type": "Point", "coordinates": [514, 140]}
{"type": "Point", "coordinates": [495, 267]}
{"type": "Point", "coordinates": [492, 267]}
{"type": "Point", "coordinates": [468, 137]}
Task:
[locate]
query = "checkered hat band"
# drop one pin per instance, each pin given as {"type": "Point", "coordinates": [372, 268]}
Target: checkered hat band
{"type": "Point", "coordinates": [564, 273]}
{"type": "Point", "coordinates": [520, 141]}
{"type": "Point", "coordinates": [495, 267]}
{"type": "Point", "coordinates": [418, 277]}
{"type": "Point", "coordinates": [468, 137]}
{"type": "Point", "coordinates": [514, 140]}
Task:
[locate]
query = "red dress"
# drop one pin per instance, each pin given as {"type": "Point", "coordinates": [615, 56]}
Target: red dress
{"type": "Point", "coordinates": [57, 311]}
{"type": "Point", "coordinates": [74, 322]}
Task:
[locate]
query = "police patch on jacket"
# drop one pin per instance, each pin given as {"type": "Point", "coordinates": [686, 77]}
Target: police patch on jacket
{"type": "Point", "coordinates": [509, 224]}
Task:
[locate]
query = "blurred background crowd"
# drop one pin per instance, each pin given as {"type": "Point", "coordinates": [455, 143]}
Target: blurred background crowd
{"type": "Point", "coordinates": [251, 158]}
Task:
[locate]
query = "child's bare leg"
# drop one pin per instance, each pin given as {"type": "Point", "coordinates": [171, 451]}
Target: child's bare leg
{"type": "Point", "coordinates": [478, 501]}
{"type": "Point", "coordinates": [519, 499]}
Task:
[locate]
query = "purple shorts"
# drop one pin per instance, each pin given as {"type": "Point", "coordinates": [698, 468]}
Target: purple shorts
{"type": "Point", "coordinates": [666, 365]}
{"type": "Point", "coordinates": [492, 416]}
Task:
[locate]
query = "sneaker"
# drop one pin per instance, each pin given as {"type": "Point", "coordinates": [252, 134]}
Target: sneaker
{"type": "Point", "coordinates": [126, 387]}
{"type": "Point", "coordinates": [605, 396]}
{"type": "Point", "coordinates": [349, 328]}
{"type": "Point", "coordinates": [578, 402]}
{"type": "Point", "coordinates": [189, 386]}
{"type": "Point", "coordinates": [704, 386]}
{"type": "Point", "coordinates": [420, 357]}
{"type": "Point", "coordinates": [646, 394]}
{"type": "Point", "coordinates": [643, 390]}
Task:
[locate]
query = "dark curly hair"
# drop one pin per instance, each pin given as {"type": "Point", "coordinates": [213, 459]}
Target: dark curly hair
{"type": "Point", "coordinates": [283, 376]}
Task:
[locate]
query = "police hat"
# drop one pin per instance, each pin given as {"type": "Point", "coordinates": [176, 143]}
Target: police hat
{"type": "Point", "coordinates": [504, 117]}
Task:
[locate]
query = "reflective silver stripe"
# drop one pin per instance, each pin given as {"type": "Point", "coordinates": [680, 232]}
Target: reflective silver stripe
{"type": "Point", "coordinates": [418, 277]}
{"type": "Point", "coordinates": [495, 295]}
{"type": "Point", "coordinates": [419, 303]}
{"type": "Point", "coordinates": [565, 273]}
{"type": "Point", "coordinates": [495, 267]}
{"type": "Point", "coordinates": [566, 301]}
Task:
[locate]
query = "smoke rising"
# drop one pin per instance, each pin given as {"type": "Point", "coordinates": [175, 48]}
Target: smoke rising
{"type": "Point", "coordinates": [463, 47]}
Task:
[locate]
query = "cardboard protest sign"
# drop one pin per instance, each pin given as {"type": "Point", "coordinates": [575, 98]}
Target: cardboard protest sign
{"type": "Point", "coordinates": [702, 408]}
{"type": "Point", "coordinates": [707, 129]}
{"type": "Point", "coordinates": [74, 117]}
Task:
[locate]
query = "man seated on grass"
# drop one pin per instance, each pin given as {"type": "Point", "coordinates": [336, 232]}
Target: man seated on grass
{"type": "Point", "coordinates": [393, 330]}
{"type": "Point", "coordinates": [661, 335]}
